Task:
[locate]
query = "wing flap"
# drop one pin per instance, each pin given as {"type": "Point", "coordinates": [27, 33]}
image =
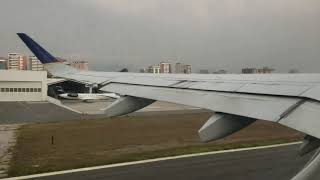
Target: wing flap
{"type": "Point", "coordinates": [304, 118]}
{"type": "Point", "coordinates": [278, 88]}
{"type": "Point", "coordinates": [274, 89]}
{"type": "Point", "coordinates": [254, 106]}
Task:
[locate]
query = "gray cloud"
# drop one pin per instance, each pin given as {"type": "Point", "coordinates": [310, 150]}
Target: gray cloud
{"type": "Point", "coordinates": [211, 34]}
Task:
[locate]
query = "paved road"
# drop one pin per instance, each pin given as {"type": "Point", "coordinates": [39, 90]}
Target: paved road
{"type": "Point", "coordinates": [47, 112]}
{"type": "Point", "coordinates": [276, 164]}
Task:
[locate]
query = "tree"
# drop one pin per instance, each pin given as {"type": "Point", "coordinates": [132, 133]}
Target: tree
{"type": "Point", "coordinates": [293, 71]}
{"type": "Point", "coordinates": [124, 70]}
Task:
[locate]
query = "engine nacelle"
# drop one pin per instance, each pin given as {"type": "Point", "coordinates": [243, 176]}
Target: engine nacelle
{"type": "Point", "coordinates": [126, 105]}
{"type": "Point", "coordinates": [308, 145]}
{"type": "Point", "coordinates": [221, 125]}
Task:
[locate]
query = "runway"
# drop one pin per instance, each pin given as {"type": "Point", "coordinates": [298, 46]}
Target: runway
{"type": "Point", "coordinates": [279, 163]}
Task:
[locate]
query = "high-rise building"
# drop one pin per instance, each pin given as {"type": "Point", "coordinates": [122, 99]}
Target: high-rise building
{"type": "Point", "coordinates": [181, 68]}
{"type": "Point", "coordinates": [35, 64]}
{"type": "Point", "coordinates": [3, 63]}
{"type": "Point", "coordinates": [24, 64]}
{"type": "Point", "coordinates": [165, 67]}
{"type": "Point", "coordinates": [80, 65]}
{"type": "Point", "coordinates": [16, 61]}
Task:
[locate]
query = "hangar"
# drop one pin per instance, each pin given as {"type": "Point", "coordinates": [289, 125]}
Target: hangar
{"type": "Point", "coordinates": [23, 85]}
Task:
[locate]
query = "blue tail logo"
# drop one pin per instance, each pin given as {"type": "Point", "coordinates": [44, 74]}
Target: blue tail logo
{"type": "Point", "coordinates": [38, 51]}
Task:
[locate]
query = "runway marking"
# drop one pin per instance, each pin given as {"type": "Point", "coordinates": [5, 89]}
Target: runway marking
{"type": "Point", "coordinates": [148, 161]}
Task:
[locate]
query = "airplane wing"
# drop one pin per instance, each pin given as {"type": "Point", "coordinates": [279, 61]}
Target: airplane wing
{"type": "Point", "coordinates": [238, 100]}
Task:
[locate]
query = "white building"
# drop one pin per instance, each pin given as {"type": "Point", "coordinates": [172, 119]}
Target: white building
{"type": "Point", "coordinates": [154, 69]}
{"type": "Point", "coordinates": [23, 85]}
{"type": "Point", "coordinates": [15, 61]}
{"type": "Point", "coordinates": [35, 64]}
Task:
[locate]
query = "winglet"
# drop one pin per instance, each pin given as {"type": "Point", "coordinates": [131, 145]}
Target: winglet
{"type": "Point", "coordinates": [44, 56]}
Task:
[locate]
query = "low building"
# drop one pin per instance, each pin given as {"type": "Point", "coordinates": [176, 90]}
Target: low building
{"type": "Point", "coordinates": [264, 70]}
{"type": "Point", "coordinates": [249, 70]}
{"type": "Point", "coordinates": [23, 85]}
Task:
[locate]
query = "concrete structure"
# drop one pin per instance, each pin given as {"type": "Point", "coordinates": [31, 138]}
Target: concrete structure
{"type": "Point", "coordinates": [23, 86]}
{"type": "Point", "coordinates": [80, 65]}
{"type": "Point", "coordinates": [35, 64]}
{"type": "Point", "coordinates": [165, 67]}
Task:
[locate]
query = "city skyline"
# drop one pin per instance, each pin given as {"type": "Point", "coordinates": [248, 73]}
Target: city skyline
{"type": "Point", "coordinates": [208, 34]}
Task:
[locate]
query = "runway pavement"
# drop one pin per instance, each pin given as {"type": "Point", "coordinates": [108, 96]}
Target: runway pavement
{"type": "Point", "coordinates": [32, 112]}
{"type": "Point", "coordinates": [279, 163]}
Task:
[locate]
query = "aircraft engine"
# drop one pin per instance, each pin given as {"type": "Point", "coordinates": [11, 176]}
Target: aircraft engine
{"type": "Point", "coordinates": [221, 125]}
{"type": "Point", "coordinates": [126, 105]}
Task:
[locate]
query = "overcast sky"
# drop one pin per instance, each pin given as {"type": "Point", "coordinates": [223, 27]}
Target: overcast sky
{"type": "Point", "coordinates": [208, 34]}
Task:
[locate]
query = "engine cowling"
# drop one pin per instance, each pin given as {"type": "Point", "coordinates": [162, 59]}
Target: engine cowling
{"type": "Point", "coordinates": [221, 125]}
{"type": "Point", "coordinates": [126, 105]}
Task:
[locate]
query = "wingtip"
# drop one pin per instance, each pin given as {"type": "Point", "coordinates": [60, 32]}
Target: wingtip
{"type": "Point", "coordinates": [43, 55]}
{"type": "Point", "coordinates": [19, 34]}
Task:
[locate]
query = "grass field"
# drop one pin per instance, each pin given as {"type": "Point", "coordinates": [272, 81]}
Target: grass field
{"type": "Point", "coordinates": [95, 142]}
